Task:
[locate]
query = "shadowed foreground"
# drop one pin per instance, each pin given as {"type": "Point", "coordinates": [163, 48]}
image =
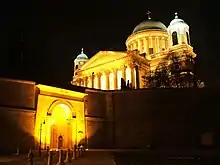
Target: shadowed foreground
{"type": "Point", "coordinates": [127, 157]}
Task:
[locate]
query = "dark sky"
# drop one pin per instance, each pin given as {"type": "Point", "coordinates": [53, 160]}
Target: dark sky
{"type": "Point", "coordinates": [51, 33]}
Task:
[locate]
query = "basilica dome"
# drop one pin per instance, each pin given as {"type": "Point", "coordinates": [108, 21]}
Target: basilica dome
{"type": "Point", "coordinates": [150, 25]}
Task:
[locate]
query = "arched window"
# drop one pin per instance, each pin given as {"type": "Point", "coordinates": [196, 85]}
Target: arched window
{"type": "Point", "coordinates": [188, 39]}
{"type": "Point", "coordinates": [76, 66]}
{"type": "Point", "coordinates": [174, 38]}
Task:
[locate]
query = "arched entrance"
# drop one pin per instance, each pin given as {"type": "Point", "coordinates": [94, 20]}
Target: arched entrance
{"type": "Point", "coordinates": [61, 127]}
{"type": "Point", "coordinates": [60, 142]}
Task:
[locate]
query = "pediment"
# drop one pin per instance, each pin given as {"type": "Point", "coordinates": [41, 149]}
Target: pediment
{"type": "Point", "coordinates": [103, 57]}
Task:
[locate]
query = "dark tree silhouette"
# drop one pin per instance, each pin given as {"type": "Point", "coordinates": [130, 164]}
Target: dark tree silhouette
{"type": "Point", "coordinates": [175, 71]}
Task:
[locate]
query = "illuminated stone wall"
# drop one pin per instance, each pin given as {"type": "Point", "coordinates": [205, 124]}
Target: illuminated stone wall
{"type": "Point", "coordinates": [105, 70]}
{"type": "Point", "coordinates": [60, 113]}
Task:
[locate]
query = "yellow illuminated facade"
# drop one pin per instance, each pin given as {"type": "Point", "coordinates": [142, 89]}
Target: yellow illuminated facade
{"type": "Point", "coordinates": [60, 119]}
{"type": "Point", "coordinates": [150, 42]}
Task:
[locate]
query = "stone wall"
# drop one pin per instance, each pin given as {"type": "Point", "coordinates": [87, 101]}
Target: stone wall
{"type": "Point", "coordinates": [17, 115]}
{"type": "Point", "coordinates": [17, 93]}
{"type": "Point", "coordinates": [95, 114]}
{"type": "Point", "coordinates": [17, 127]}
{"type": "Point", "coordinates": [174, 118]}
{"type": "Point", "coordinates": [166, 118]}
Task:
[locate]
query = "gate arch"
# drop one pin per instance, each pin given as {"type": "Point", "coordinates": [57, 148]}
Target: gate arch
{"type": "Point", "coordinates": [60, 101]}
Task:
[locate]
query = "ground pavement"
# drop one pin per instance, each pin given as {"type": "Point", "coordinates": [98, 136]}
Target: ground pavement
{"type": "Point", "coordinates": [90, 158]}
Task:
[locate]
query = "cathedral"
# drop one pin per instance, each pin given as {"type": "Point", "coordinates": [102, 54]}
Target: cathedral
{"type": "Point", "coordinates": [95, 112]}
{"type": "Point", "coordinates": [150, 42]}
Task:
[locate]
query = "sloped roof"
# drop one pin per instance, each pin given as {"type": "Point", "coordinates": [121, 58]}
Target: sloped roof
{"type": "Point", "coordinates": [103, 57]}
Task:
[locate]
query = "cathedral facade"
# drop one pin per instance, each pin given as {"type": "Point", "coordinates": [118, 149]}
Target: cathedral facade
{"type": "Point", "coordinates": [148, 45]}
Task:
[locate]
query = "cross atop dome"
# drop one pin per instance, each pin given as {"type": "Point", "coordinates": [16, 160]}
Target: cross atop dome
{"type": "Point", "coordinates": [148, 14]}
{"type": "Point", "coordinates": [176, 15]}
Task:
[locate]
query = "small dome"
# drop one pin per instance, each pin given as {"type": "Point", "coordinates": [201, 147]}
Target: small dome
{"type": "Point", "coordinates": [150, 25]}
{"type": "Point", "coordinates": [176, 21]}
{"type": "Point", "coordinates": [82, 56]}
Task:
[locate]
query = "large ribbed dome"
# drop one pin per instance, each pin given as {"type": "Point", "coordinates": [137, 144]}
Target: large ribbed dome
{"type": "Point", "coordinates": [150, 25]}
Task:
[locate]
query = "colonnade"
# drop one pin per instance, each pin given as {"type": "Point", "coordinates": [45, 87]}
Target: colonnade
{"type": "Point", "coordinates": [110, 79]}
{"type": "Point", "coordinates": [157, 44]}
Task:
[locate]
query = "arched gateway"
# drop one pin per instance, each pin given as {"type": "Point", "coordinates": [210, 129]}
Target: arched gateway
{"type": "Point", "coordinates": [62, 125]}
{"type": "Point", "coordinates": [59, 119]}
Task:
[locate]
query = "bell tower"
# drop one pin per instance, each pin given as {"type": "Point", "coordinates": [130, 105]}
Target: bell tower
{"type": "Point", "coordinates": [178, 32]}
{"type": "Point", "coordinates": [80, 60]}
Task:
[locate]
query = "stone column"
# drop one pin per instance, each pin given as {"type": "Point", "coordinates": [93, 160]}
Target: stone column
{"type": "Point", "coordinates": [107, 80]}
{"type": "Point", "coordinates": [145, 45]}
{"type": "Point", "coordinates": [154, 45]}
{"type": "Point", "coordinates": [132, 76]}
{"type": "Point", "coordinates": [99, 80]}
{"type": "Point", "coordinates": [139, 45]}
{"type": "Point", "coordinates": [123, 73]}
{"type": "Point", "coordinates": [161, 43]}
{"type": "Point", "coordinates": [80, 82]}
{"type": "Point", "coordinates": [115, 79]}
{"type": "Point", "coordinates": [150, 41]}
{"type": "Point", "coordinates": [92, 81]}
{"type": "Point", "coordinates": [86, 82]}
{"type": "Point", "coordinates": [158, 44]}
{"type": "Point", "coordinates": [166, 43]}
{"type": "Point", "coordinates": [136, 45]}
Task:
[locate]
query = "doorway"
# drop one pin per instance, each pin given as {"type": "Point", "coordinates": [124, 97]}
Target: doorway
{"type": "Point", "coordinates": [60, 142]}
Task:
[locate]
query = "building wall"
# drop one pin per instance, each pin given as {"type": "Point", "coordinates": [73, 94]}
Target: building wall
{"type": "Point", "coordinates": [96, 119]}
{"type": "Point", "coordinates": [175, 118]}
{"type": "Point", "coordinates": [17, 115]}
{"type": "Point", "coordinates": [47, 102]}
{"type": "Point", "coordinates": [17, 128]}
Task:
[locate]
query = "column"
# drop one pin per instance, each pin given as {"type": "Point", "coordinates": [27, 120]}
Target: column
{"type": "Point", "coordinates": [99, 80]}
{"type": "Point", "coordinates": [150, 42]}
{"type": "Point", "coordinates": [136, 45]}
{"type": "Point", "coordinates": [115, 79]}
{"type": "Point", "coordinates": [107, 80]}
{"type": "Point", "coordinates": [86, 82]}
{"type": "Point", "coordinates": [80, 82]}
{"type": "Point", "coordinates": [132, 76]}
{"type": "Point", "coordinates": [161, 44]}
{"type": "Point", "coordinates": [137, 81]}
{"type": "Point", "coordinates": [139, 45]}
{"type": "Point", "coordinates": [92, 81]}
{"type": "Point", "coordinates": [123, 72]}
{"type": "Point", "coordinates": [154, 45]}
{"type": "Point", "coordinates": [167, 42]}
{"type": "Point", "coordinates": [158, 44]}
{"type": "Point", "coordinates": [145, 45]}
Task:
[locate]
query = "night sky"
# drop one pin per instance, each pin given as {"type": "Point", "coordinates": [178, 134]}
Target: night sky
{"type": "Point", "coordinates": [50, 34]}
